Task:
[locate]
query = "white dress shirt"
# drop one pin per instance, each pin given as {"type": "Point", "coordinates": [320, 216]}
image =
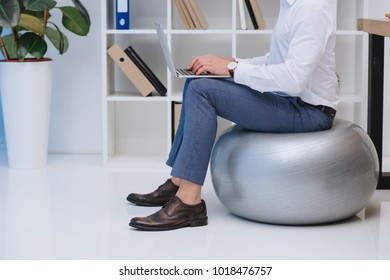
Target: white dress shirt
{"type": "Point", "coordinates": [301, 60]}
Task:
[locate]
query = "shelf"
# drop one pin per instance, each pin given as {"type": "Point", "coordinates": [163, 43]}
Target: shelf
{"type": "Point", "coordinates": [137, 129]}
{"type": "Point", "coordinates": [350, 32]}
{"type": "Point", "coordinates": [253, 32]}
{"type": "Point", "coordinates": [130, 31]}
{"type": "Point", "coordinates": [201, 31]}
{"type": "Point", "coordinates": [135, 96]}
{"type": "Point", "coordinates": [350, 98]}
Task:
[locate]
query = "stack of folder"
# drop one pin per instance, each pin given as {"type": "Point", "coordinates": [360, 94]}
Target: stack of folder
{"type": "Point", "coordinates": [136, 70]}
{"type": "Point", "coordinates": [254, 12]}
{"type": "Point", "coordinates": [191, 14]}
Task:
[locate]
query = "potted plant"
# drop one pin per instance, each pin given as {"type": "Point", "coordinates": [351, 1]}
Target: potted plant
{"type": "Point", "coordinates": [26, 75]}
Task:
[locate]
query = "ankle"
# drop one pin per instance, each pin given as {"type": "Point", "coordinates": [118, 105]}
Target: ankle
{"type": "Point", "coordinates": [189, 200]}
{"type": "Point", "coordinates": [176, 181]}
{"type": "Point", "coordinates": [189, 193]}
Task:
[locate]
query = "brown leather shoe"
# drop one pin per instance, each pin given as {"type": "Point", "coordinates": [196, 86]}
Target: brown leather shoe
{"type": "Point", "coordinates": [175, 214]}
{"type": "Point", "coordinates": [157, 198]}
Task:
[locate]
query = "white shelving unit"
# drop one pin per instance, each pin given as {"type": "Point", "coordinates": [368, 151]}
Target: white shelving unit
{"type": "Point", "coordinates": [137, 129]}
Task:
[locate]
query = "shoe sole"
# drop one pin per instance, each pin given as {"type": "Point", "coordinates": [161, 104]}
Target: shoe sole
{"type": "Point", "coordinates": [139, 203]}
{"type": "Point", "coordinates": [192, 223]}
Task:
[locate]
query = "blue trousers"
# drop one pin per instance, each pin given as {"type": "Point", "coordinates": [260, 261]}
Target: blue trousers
{"type": "Point", "coordinates": [204, 99]}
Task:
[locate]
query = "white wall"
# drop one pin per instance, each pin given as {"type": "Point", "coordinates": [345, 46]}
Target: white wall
{"type": "Point", "coordinates": [76, 102]}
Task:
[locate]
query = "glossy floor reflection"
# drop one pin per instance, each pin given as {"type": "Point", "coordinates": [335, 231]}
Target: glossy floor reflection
{"type": "Point", "coordinates": [76, 209]}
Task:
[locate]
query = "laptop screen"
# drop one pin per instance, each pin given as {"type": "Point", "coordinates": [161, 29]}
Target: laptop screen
{"type": "Point", "coordinates": [164, 46]}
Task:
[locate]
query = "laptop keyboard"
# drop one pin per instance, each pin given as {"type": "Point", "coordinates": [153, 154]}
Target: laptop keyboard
{"type": "Point", "coordinates": [184, 72]}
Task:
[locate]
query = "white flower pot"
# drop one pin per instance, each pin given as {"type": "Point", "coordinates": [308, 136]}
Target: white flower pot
{"type": "Point", "coordinates": [26, 91]}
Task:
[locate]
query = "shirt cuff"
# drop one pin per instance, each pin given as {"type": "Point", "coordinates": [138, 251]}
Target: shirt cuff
{"type": "Point", "coordinates": [242, 73]}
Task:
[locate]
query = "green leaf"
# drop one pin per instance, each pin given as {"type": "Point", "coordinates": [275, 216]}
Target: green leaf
{"type": "Point", "coordinates": [83, 11]}
{"type": "Point", "coordinates": [9, 13]}
{"type": "Point", "coordinates": [58, 39]}
{"type": "Point", "coordinates": [74, 21]}
{"type": "Point", "coordinates": [31, 23]}
{"type": "Point", "coordinates": [31, 43]}
{"type": "Point", "coordinates": [39, 5]}
{"type": "Point", "coordinates": [10, 45]}
{"type": "Point", "coordinates": [1, 49]}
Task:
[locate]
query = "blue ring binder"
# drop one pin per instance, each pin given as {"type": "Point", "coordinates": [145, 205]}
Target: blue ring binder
{"type": "Point", "coordinates": [122, 14]}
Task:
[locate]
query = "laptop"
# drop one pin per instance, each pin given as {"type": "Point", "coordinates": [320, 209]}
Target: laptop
{"type": "Point", "coordinates": [177, 72]}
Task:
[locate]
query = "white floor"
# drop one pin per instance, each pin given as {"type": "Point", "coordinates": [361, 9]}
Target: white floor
{"type": "Point", "coordinates": [76, 209]}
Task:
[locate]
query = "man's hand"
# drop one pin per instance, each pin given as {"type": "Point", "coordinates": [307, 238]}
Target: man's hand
{"type": "Point", "coordinates": [210, 64]}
